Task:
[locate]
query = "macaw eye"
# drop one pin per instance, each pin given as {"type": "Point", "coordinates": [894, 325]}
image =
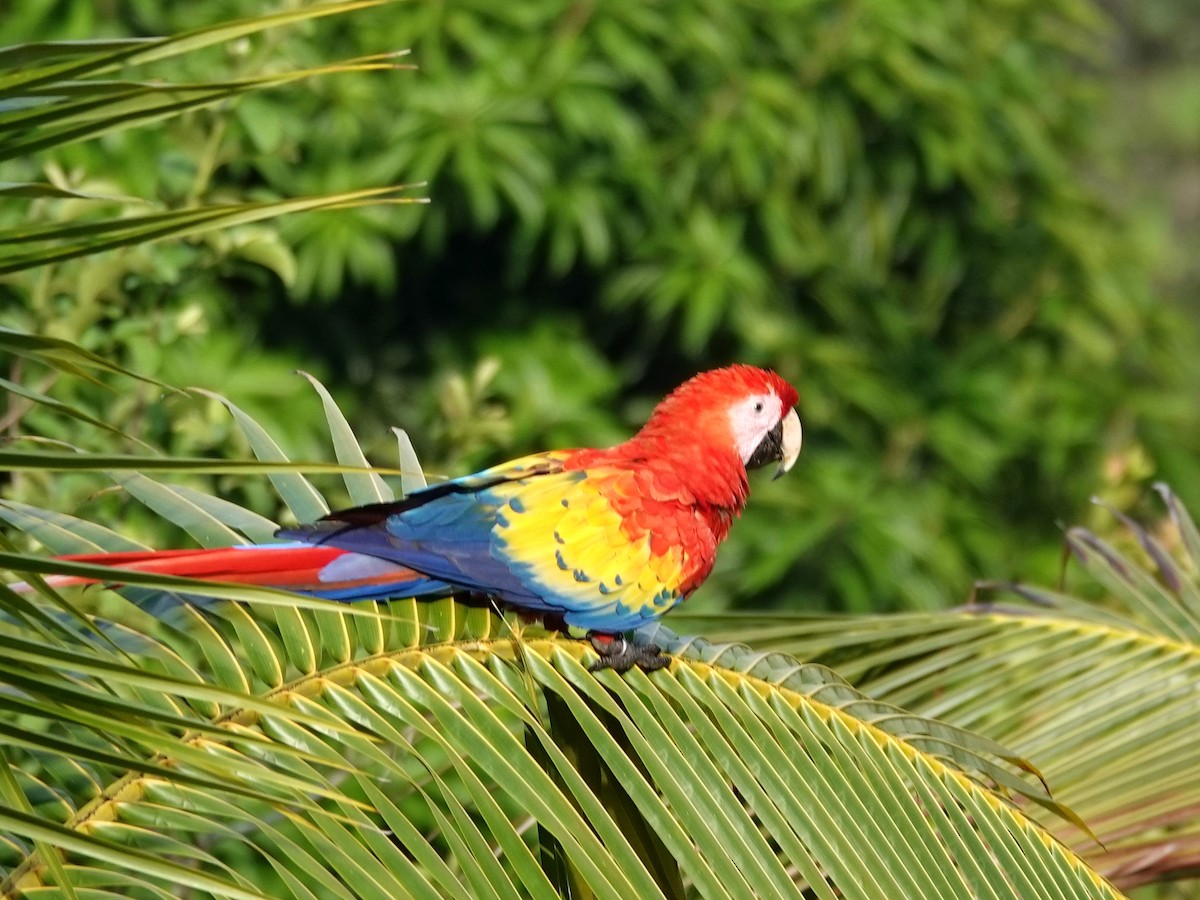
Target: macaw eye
{"type": "Point", "coordinates": [758, 407]}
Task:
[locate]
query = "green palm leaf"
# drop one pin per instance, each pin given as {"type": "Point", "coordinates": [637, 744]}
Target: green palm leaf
{"type": "Point", "coordinates": [281, 746]}
{"type": "Point", "coordinates": [744, 781]}
{"type": "Point", "coordinates": [52, 95]}
{"type": "Point", "coordinates": [1103, 697]}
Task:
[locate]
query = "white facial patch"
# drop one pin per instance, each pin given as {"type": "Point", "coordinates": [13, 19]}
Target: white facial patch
{"type": "Point", "coordinates": [750, 420]}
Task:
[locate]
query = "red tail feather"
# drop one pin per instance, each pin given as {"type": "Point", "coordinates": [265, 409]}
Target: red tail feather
{"type": "Point", "coordinates": [283, 567]}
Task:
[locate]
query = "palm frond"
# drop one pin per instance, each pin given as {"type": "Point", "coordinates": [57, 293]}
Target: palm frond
{"type": "Point", "coordinates": [326, 757]}
{"type": "Point", "coordinates": [1104, 697]}
{"type": "Point", "coordinates": [53, 94]}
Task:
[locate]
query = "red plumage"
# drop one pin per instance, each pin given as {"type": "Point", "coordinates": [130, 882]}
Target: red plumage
{"type": "Point", "coordinates": [691, 482]}
{"type": "Point", "coordinates": [283, 567]}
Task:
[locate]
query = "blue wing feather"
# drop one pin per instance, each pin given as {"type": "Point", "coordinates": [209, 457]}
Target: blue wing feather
{"type": "Point", "coordinates": [450, 532]}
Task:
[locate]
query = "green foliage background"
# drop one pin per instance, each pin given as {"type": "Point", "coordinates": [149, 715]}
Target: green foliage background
{"type": "Point", "coordinates": [920, 212]}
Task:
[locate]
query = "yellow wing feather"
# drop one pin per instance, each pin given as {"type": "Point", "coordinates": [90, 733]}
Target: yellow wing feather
{"type": "Point", "coordinates": [567, 539]}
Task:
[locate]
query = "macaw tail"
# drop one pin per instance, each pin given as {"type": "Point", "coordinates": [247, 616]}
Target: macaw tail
{"type": "Point", "coordinates": [325, 572]}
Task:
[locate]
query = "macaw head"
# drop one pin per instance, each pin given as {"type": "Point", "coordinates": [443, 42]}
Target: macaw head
{"type": "Point", "coordinates": [740, 410]}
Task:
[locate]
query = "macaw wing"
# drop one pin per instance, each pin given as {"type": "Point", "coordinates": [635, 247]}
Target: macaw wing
{"type": "Point", "coordinates": [443, 531]}
{"type": "Point", "coordinates": [528, 532]}
{"type": "Point", "coordinates": [566, 540]}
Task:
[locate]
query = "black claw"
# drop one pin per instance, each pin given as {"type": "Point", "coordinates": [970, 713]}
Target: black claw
{"type": "Point", "coordinates": [621, 655]}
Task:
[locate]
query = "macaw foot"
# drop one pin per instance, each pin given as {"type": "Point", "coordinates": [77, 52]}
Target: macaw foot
{"type": "Point", "coordinates": [617, 652]}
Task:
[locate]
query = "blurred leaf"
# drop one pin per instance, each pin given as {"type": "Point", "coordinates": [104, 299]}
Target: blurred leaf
{"type": "Point", "coordinates": [63, 243]}
{"type": "Point", "coordinates": [44, 189]}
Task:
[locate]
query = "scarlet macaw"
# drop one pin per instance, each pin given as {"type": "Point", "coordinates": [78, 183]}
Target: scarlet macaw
{"type": "Point", "coordinates": [602, 540]}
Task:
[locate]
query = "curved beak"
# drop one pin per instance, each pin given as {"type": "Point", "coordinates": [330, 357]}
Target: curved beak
{"type": "Point", "coordinates": [789, 444]}
{"type": "Point", "coordinates": [781, 444]}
